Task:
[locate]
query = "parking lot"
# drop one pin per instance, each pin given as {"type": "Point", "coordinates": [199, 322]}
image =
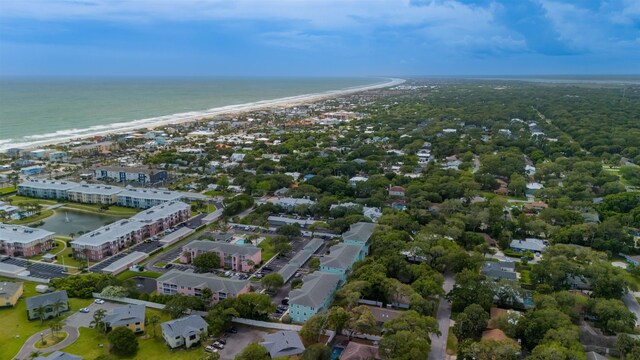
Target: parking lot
{"type": "Point", "coordinates": [237, 342]}
{"type": "Point", "coordinates": [145, 247]}
{"type": "Point", "coordinates": [79, 319]}
{"type": "Point", "coordinates": [38, 270]}
{"type": "Point", "coordinates": [97, 268]}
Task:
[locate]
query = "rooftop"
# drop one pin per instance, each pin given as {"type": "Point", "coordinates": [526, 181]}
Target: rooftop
{"type": "Point", "coordinates": [109, 233]}
{"type": "Point", "coordinates": [47, 299]}
{"type": "Point", "coordinates": [165, 195]}
{"type": "Point", "coordinates": [161, 211]}
{"type": "Point", "coordinates": [184, 327]}
{"type": "Point", "coordinates": [282, 343]}
{"type": "Point", "coordinates": [48, 184]}
{"type": "Point", "coordinates": [126, 314]}
{"type": "Point", "coordinates": [341, 256]}
{"type": "Point", "coordinates": [215, 283]}
{"type": "Point", "coordinates": [21, 234]}
{"type": "Point", "coordinates": [360, 231]}
{"type": "Point", "coordinates": [314, 290]}
{"type": "Point", "coordinates": [96, 189]}
{"type": "Point", "coordinates": [9, 288]}
{"type": "Point", "coordinates": [227, 248]}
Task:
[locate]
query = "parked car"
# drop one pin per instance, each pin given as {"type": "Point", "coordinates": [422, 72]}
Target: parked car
{"type": "Point", "coordinates": [210, 349]}
{"type": "Point", "coordinates": [222, 341]}
{"type": "Point", "coordinates": [218, 345]}
{"type": "Point", "coordinates": [98, 301]}
{"type": "Point", "coordinates": [285, 301]}
{"type": "Point", "coordinates": [84, 310]}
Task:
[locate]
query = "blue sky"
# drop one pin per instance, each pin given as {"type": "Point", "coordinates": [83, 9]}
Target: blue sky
{"type": "Point", "coordinates": [319, 37]}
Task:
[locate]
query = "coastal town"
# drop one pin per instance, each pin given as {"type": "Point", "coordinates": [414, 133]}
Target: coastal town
{"type": "Point", "coordinates": [428, 219]}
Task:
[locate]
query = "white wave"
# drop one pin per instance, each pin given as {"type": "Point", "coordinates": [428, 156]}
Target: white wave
{"type": "Point", "coordinates": [60, 136]}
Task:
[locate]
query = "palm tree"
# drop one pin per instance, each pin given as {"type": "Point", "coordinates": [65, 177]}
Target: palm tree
{"type": "Point", "coordinates": [153, 320]}
{"type": "Point", "coordinates": [97, 322]}
{"type": "Point", "coordinates": [56, 326]}
{"type": "Point", "coordinates": [41, 312]}
{"type": "Point", "coordinates": [57, 306]}
{"type": "Point", "coordinates": [34, 355]}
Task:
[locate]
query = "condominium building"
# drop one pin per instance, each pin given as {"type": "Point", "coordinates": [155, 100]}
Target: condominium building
{"type": "Point", "coordinates": [46, 189]}
{"type": "Point", "coordinates": [146, 198]}
{"type": "Point", "coordinates": [113, 238]}
{"type": "Point", "coordinates": [140, 174]}
{"type": "Point", "coordinates": [190, 284]}
{"type": "Point", "coordinates": [341, 259]}
{"type": "Point", "coordinates": [315, 295]}
{"type": "Point", "coordinates": [16, 240]}
{"type": "Point", "coordinates": [94, 194]}
{"type": "Point", "coordinates": [232, 256]}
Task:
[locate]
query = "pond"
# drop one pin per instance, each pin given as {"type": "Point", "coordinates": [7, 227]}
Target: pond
{"type": "Point", "coordinates": [65, 221]}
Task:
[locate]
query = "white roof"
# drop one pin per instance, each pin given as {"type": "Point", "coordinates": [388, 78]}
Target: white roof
{"type": "Point", "coordinates": [161, 211]}
{"type": "Point", "coordinates": [21, 234]}
{"type": "Point", "coordinates": [48, 184]}
{"type": "Point", "coordinates": [132, 258]}
{"type": "Point", "coordinates": [96, 189]}
{"type": "Point", "coordinates": [109, 233]}
{"type": "Point", "coordinates": [165, 195]}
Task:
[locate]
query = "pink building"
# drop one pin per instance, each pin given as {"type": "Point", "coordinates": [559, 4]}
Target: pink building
{"type": "Point", "coordinates": [234, 257]}
{"type": "Point", "coordinates": [190, 284]}
{"type": "Point", "coordinates": [16, 240]}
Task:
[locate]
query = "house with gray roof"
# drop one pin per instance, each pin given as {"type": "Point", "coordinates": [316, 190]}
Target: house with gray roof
{"type": "Point", "coordinates": [130, 316]}
{"type": "Point", "coordinates": [52, 303]}
{"type": "Point", "coordinates": [185, 331]}
{"type": "Point", "coordinates": [282, 343]}
{"type": "Point", "coordinates": [315, 295]}
{"type": "Point", "coordinates": [529, 244]}
{"type": "Point", "coordinates": [499, 270]}
{"type": "Point", "coordinates": [341, 258]}
{"type": "Point", "coordinates": [59, 355]}
{"type": "Point", "coordinates": [190, 284]}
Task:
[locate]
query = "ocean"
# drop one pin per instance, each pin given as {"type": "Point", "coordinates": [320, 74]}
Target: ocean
{"type": "Point", "coordinates": [49, 109]}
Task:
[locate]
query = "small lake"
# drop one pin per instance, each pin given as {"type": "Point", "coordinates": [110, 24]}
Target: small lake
{"type": "Point", "coordinates": [77, 221]}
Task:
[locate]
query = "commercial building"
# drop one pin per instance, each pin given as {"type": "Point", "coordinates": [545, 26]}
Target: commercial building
{"type": "Point", "coordinates": [45, 189]}
{"type": "Point", "coordinates": [10, 293]}
{"type": "Point", "coordinates": [140, 174]}
{"type": "Point", "coordinates": [129, 316]}
{"type": "Point", "coordinates": [146, 198]}
{"type": "Point", "coordinates": [94, 194]}
{"type": "Point", "coordinates": [232, 256]}
{"type": "Point", "coordinates": [16, 240]}
{"type": "Point", "coordinates": [190, 284]}
{"type": "Point", "coordinates": [113, 238]}
{"type": "Point", "coordinates": [315, 295]}
{"type": "Point", "coordinates": [52, 304]}
{"type": "Point", "coordinates": [185, 331]}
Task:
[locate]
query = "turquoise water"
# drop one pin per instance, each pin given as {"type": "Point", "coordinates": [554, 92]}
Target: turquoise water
{"type": "Point", "coordinates": [336, 352]}
{"type": "Point", "coordinates": [33, 109]}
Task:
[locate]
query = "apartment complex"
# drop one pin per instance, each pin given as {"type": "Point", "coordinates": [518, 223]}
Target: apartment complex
{"type": "Point", "coordinates": [315, 295]}
{"type": "Point", "coordinates": [113, 238]}
{"type": "Point", "coordinates": [190, 284]}
{"type": "Point", "coordinates": [340, 259]}
{"type": "Point", "coordinates": [16, 240]}
{"type": "Point", "coordinates": [140, 174]}
{"type": "Point", "coordinates": [184, 331]}
{"type": "Point", "coordinates": [232, 256]}
{"type": "Point", "coordinates": [96, 194]}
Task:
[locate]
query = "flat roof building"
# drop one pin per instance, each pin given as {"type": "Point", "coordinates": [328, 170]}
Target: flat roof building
{"type": "Point", "coordinates": [17, 240]}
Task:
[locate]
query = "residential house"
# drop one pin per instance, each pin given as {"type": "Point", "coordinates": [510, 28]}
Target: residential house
{"type": "Point", "coordinates": [59, 355]}
{"type": "Point", "coordinates": [103, 147]}
{"type": "Point", "coordinates": [185, 331]}
{"type": "Point", "coordinates": [529, 244]}
{"type": "Point", "coordinates": [283, 344]}
{"type": "Point", "coordinates": [357, 351]}
{"type": "Point", "coordinates": [357, 179]}
{"type": "Point", "coordinates": [498, 270]}
{"type": "Point", "coordinates": [190, 284]}
{"type": "Point", "coordinates": [232, 256]}
{"type": "Point", "coordinates": [17, 240]}
{"type": "Point", "coordinates": [397, 191]}
{"type": "Point", "coordinates": [129, 316]}
{"type": "Point", "coordinates": [315, 295]}
{"type": "Point", "coordinates": [52, 303]}
{"type": "Point", "coordinates": [10, 293]}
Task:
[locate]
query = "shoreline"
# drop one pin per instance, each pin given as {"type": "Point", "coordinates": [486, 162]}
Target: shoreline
{"type": "Point", "coordinates": [193, 116]}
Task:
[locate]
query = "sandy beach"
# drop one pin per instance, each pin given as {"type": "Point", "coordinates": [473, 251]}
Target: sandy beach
{"type": "Point", "coordinates": [180, 118]}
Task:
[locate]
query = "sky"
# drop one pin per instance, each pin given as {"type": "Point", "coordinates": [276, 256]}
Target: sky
{"type": "Point", "coordinates": [318, 37]}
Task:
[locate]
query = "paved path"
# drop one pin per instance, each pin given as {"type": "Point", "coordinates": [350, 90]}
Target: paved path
{"type": "Point", "coordinates": [29, 345]}
{"type": "Point", "coordinates": [439, 343]}
{"type": "Point", "coordinates": [632, 304]}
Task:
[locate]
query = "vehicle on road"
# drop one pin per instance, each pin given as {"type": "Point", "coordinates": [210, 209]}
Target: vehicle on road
{"type": "Point", "coordinates": [84, 310]}
{"type": "Point", "coordinates": [98, 301]}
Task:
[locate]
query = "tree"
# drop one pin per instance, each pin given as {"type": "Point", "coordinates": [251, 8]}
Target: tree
{"type": "Point", "coordinates": [612, 315]}
{"type": "Point", "coordinates": [254, 306]}
{"type": "Point", "coordinates": [41, 312]}
{"type": "Point", "coordinates": [625, 344]}
{"type": "Point", "coordinates": [289, 230]}
{"type": "Point", "coordinates": [313, 264]}
{"type": "Point", "coordinates": [123, 341]}
{"type": "Point", "coordinates": [206, 262]}
{"type": "Point", "coordinates": [404, 345]}
{"type": "Point", "coordinates": [413, 322]}
{"type": "Point", "coordinates": [97, 322]}
{"type": "Point", "coordinates": [470, 288]}
{"type": "Point", "coordinates": [296, 283]}
{"type": "Point", "coordinates": [471, 323]}
{"type": "Point", "coordinates": [35, 354]}
{"type": "Point", "coordinates": [114, 291]}
{"type": "Point", "coordinates": [179, 305]}
{"type": "Point", "coordinates": [361, 321]}
{"type": "Point", "coordinates": [488, 350]}
{"type": "Point", "coordinates": [313, 328]}
{"type": "Point", "coordinates": [56, 326]}
{"type": "Point", "coordinates": [272, 282]}
{"type": "Point", "coordinates": [253, 351]}
{"type": "Point", "coordinates": [153, 320]}
{"type": "Point", "coordinates": [337, 319]}
{"type": "Point", "coordinates": [316, 352]}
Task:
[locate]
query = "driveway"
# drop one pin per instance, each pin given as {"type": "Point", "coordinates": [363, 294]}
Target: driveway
{"type": "Point", "coordinates": [84, 319]}
{"type": "Point", "coordinates": [29, 345]}
{"type": "Point", "coordinates": [237, 342]}
{"type": "Point", "coordinates": [439, 343]}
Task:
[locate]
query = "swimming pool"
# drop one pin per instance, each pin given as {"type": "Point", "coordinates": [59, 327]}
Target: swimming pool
{"type": "Point", "coordinates": [335, 352]}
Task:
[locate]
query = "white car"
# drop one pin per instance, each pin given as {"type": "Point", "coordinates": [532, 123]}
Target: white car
{"type": "Point", "coordinates": [99, 301]}
{"type": "Point", "coordinates": [210, 349]}
{"type": "Point", "coordinates": [84, 310]}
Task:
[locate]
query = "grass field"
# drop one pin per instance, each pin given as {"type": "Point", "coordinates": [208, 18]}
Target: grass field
{"type": "Point", "coordinates": [7, 190]}
{"type": "Point", "coordinates": [88, 344]}
{"type": "Point", "coordinates": [16, 329]}
{"type": "Point", "coordinates": [267, 250]}
{"type": "Point", "coordinates": [452, 343]}
{"type": "Point", "coordinates": [113, 210]}
{"type": "Point", "coordinates": [129, 274]}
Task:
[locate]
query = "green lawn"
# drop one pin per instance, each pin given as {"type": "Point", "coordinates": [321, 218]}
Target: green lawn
{"type": "Point", "coordinates": [267, 250]}
{"type": "Point", "coordinates": [129, 274]}
{"type": "Point", "coordinates": [17, 329]}
{"type": "Point", "coordinates": [7, 190]}
{"type": "Point", "coordinates": [452, 343]}
{"type": "Point", "coordinates": [88, 345]}
{"type": "Point", "coordinates": [113, 210]}
{"type": "Point", "coordinates": [32, 219]}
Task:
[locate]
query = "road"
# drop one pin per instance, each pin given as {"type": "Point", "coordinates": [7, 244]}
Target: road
{"type": "Point", "coordinates": [632, 304]}
{"type": "Point", "coordinates": [439, 343]}
{"type": "Point", "coordinates": [29, 345]}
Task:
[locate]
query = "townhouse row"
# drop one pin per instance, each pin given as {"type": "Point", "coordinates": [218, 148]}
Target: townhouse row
{"type": "Point", "coordinates": [96, 194]}
{"type": "Point", "coordinates": [113, 238]}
